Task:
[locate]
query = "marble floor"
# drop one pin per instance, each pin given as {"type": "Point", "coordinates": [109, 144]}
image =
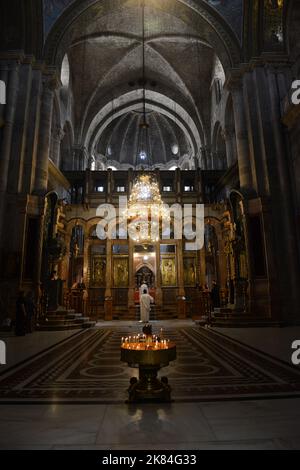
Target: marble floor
{"type": "Point", "coordinates": [255, 424]}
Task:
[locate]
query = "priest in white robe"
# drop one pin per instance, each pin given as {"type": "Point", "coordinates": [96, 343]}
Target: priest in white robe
{"type": "Point", "coordinates": [142, 288]}
{"type": "Point", "coordinates": [145, 305]}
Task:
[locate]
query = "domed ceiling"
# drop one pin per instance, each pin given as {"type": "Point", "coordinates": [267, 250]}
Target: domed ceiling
{"type": "Point", "coordinates": [119, 142]}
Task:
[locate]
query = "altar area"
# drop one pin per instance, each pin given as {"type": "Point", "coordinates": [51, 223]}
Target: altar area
{"type": "Point", "coordinates": [114, 271]}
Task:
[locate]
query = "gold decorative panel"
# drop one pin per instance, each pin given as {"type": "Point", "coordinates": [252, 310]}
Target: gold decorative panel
{"type": "Point", "coordinates": [168, 272]}
{"type": "Point", "coordinates": [98, 271]}
{"type": "Point", "coordinates": [120, 271]}
{"type": "Point", "coordinates": [189, 271]}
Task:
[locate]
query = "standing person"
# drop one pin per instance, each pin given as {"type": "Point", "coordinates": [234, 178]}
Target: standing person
{"type": "Point", "coordinates": [145, 306]}
{"type": "Point", "coordinates": [20, 315]}
{"type": "Point", "coordinates": [31, 311]}
{"type": "Point", "coordinates": [215, 295]}
{"type": "Point", "coordinates": [142, 288]}
{"type": "Point", "coordinates": [85, 298]}
{"type": "Point", "coordinates": [54, 276]}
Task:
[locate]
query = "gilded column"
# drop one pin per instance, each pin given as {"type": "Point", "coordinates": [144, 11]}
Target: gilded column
{"type": "Point", "coordinates": [158, 290]}
{"type": "Point", "coordinates": [181, 310]}
{"type": "Point", "coordinates": [86, 260]}
{"type": "Point", "coordinates": [131, 290]}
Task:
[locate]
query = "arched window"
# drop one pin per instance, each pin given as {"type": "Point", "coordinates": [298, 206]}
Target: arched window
{"type": "Point", "coordinates": [65, 72]}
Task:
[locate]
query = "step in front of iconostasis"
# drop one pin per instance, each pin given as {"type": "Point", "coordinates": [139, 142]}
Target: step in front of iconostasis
{"type": "Point", "coordinates": [64, 319]}
{"type": "Point", "coordinates": [228, 317]}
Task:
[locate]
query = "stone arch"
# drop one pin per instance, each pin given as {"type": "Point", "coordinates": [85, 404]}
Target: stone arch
{"type": "Point", "coordinates": [156, 102]}
{"type": "Point", "coordinates": [145, 265]}
{"type": "Point", "coordinates": [73, 222]}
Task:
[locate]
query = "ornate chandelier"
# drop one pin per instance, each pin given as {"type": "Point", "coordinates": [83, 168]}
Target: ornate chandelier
{"type": "Point", "coordinates": [145, 209]}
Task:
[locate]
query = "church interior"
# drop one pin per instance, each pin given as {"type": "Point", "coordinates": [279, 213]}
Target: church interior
{"type": "Point", "coordinates": [187, 104]}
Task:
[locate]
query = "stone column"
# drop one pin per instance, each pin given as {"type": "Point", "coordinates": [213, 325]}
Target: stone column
{"type": "Point", "coordinates": [203, 158]}
{"type": "Point", "coordinates": [10, 109]}
{"type": "Point", "coordinates": [109, 186]}
{"type": "Point", "coordinates": [38, 261]}
{"type": "Point", "coordinates": [57, 136]}
{"type": "Point", "coordinates": [80, 158]}
{"type": "Point", "coordinates": [284, 218]}
{"type": "Point", "coordinates": [228, 135]}
{"type": "Point", "coordinates": [32, 130]}
{"type": "Point", "coordinates": [108, 303]}
{"type": "Point", "coordinates": [20, 131]}
{"type": "Point", "coordinates": [242, 140]}
{"type": "Point", "coordinates": [41, 173]}
{"type": "Point", "coordinates": [277, 293]}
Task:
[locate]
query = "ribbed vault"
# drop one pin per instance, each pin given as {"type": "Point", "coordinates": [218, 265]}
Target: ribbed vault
{"type": "Point", "coordinates": [103, 42]}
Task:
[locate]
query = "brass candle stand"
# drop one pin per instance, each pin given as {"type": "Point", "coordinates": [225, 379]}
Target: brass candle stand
{"type": "Point", "coordinates": [149, 355]}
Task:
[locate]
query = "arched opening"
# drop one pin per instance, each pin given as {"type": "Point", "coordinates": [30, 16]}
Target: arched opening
{"type": "Point", "coordinates": [65, 72]}
{"type": "Point", "coordinates": [145, 275]}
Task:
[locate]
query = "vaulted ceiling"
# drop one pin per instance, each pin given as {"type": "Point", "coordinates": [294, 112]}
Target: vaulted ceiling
{"type": "Point", "coordinates": [184, 47]}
